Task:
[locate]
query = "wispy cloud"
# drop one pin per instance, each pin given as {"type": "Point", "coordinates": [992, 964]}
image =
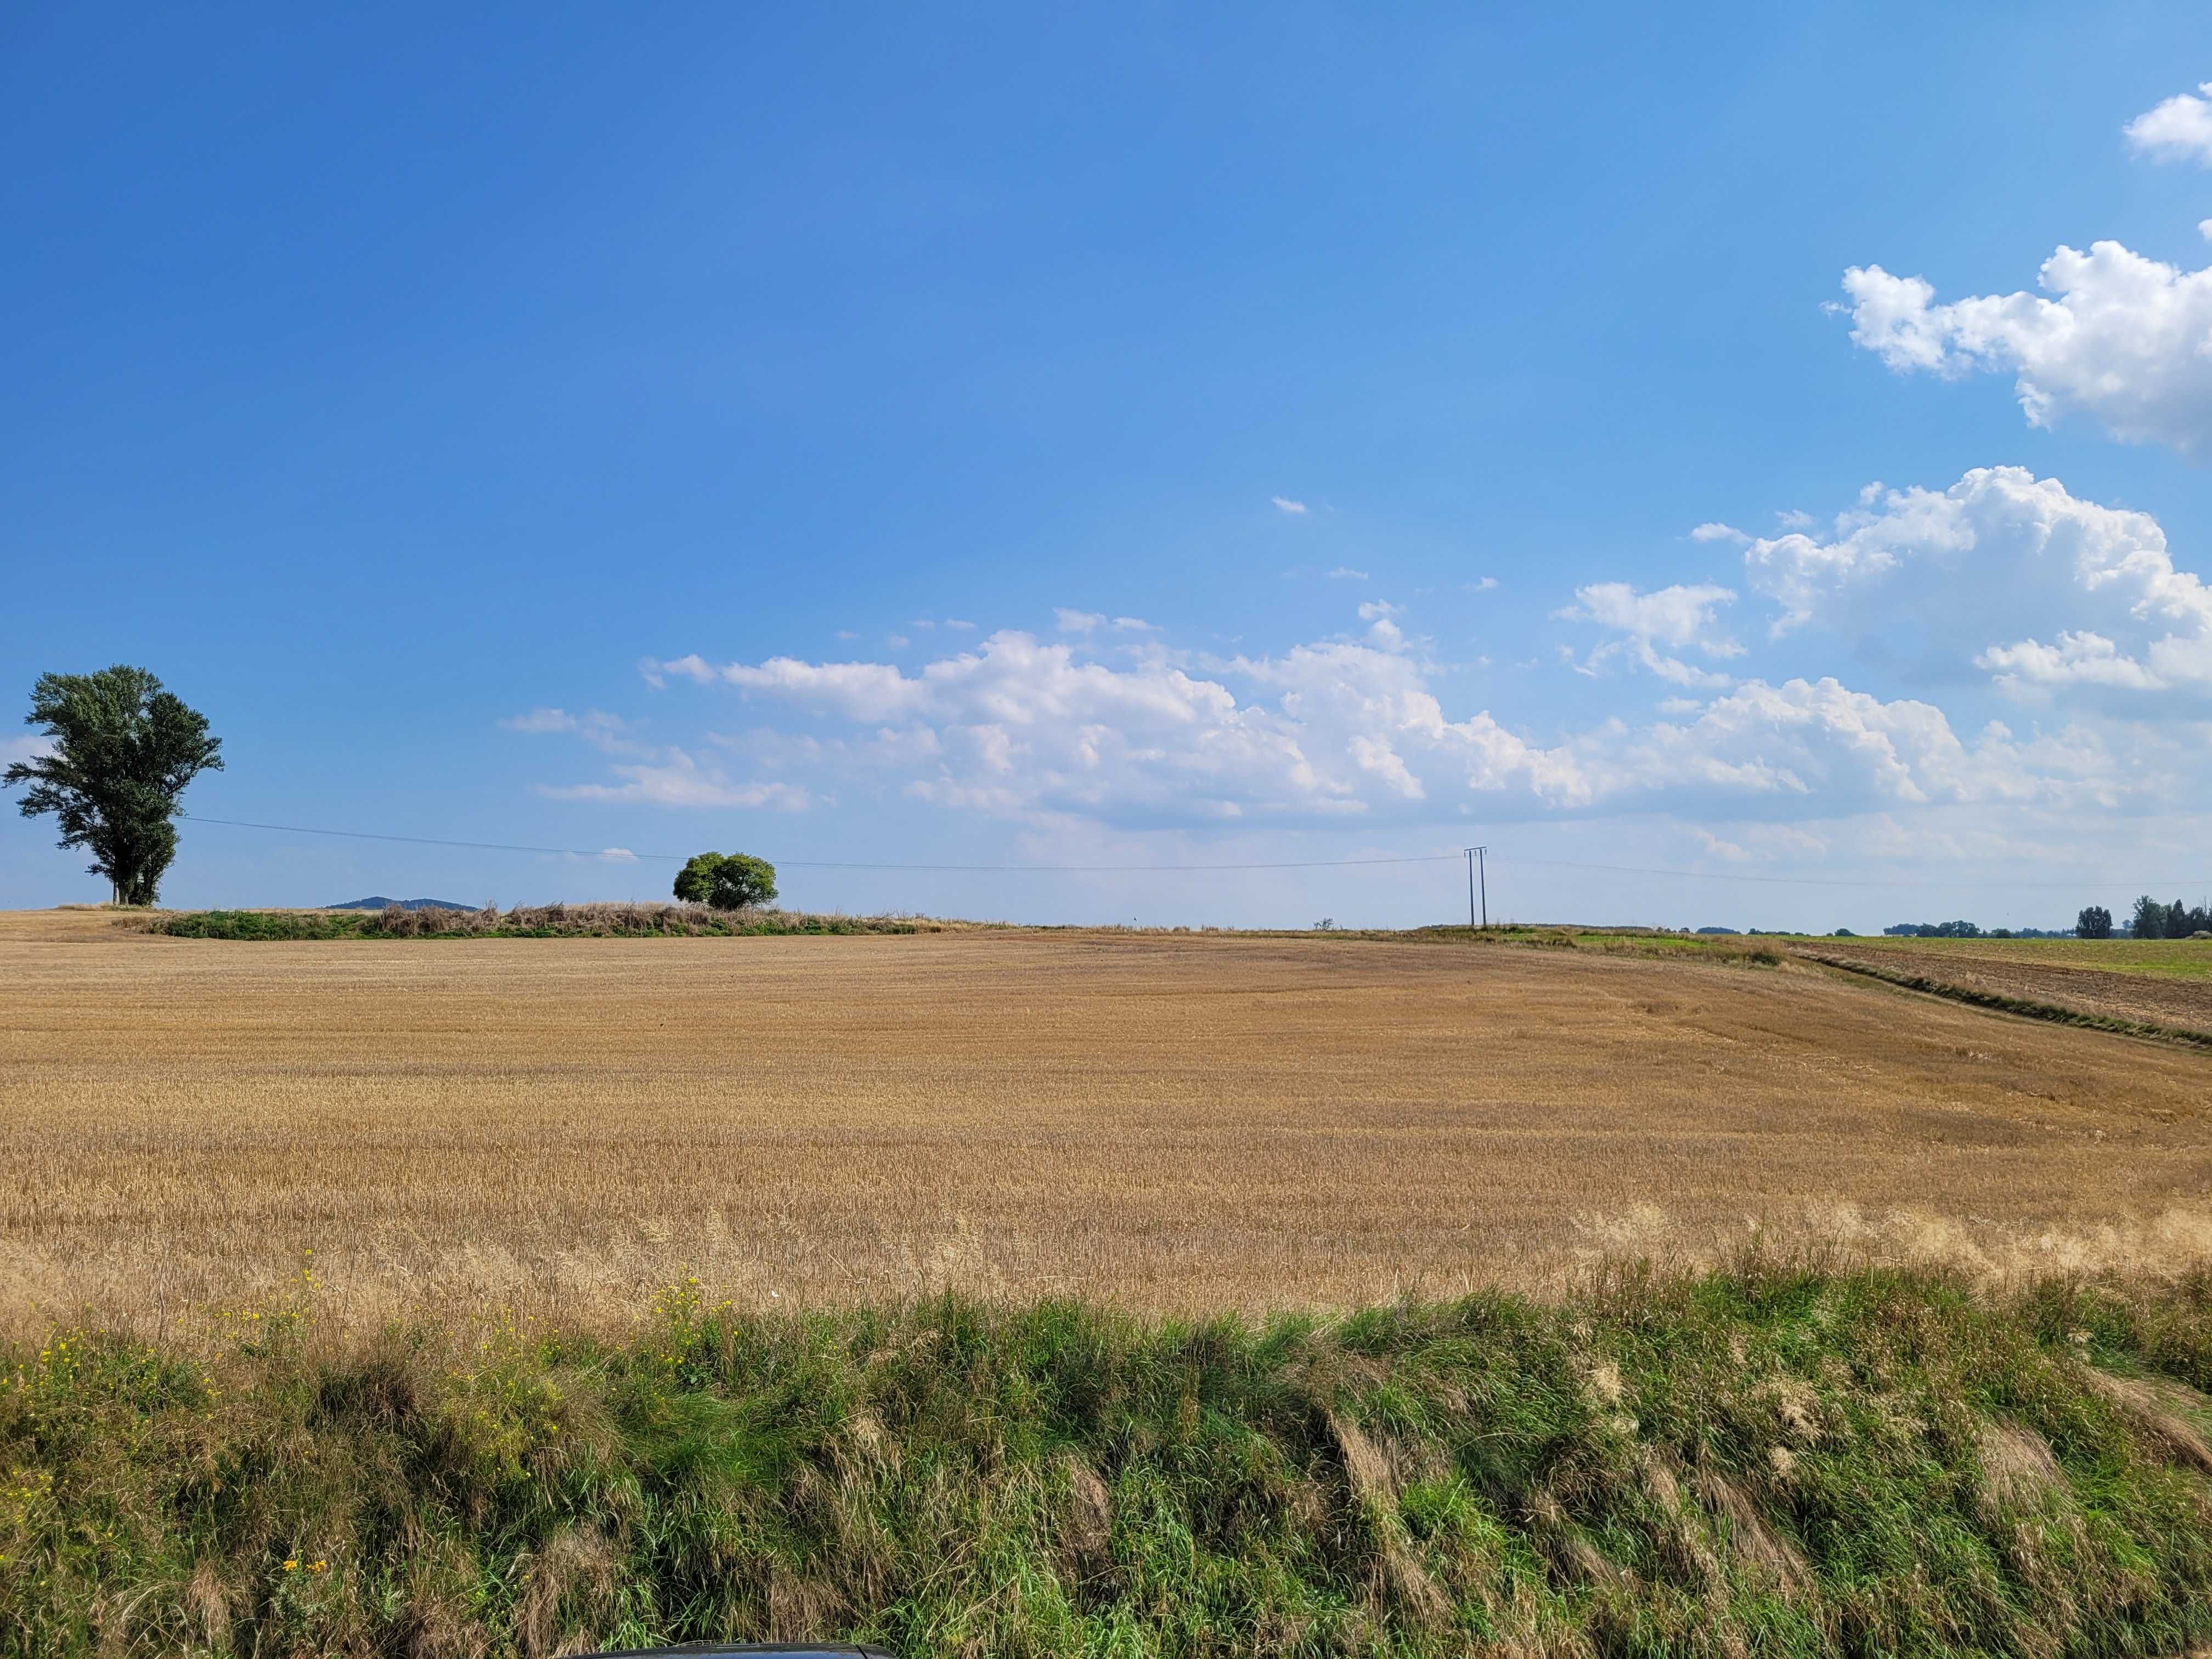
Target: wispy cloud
{"type": "Point", "coordinates": [1089, 622]}
{"type": "Point", "coordinates": [1714, 532]}
{"type": "Point", "coordinates": [1288, 504]}
{"type": "Point", "coordinates": [1677, 617]}
{"type": "Point", "coordinates": [678, 780]}
{"type": "Point", "coordinates": [1345, 572]}
{"type": "Point", "coordinates": [1482, 586]}
{"type": "Point", "coordinates": [541, 720]}
{"type": "Point", "coordinates": [610, 732]}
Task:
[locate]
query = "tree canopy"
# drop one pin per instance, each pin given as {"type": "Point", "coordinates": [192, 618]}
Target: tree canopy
{"type": "Point", "coordinates": [2095, 921]}
{"type": "Point", "coordinates": [727, 881]}
{"type": "Point", "coordinates": [120, 750]}
{"type": "Point", "coordinates": [2151, 920]}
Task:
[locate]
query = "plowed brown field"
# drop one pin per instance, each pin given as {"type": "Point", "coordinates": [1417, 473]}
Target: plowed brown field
{"type": "Point", "coordinates": [1172, 1121]}
{"type": "Point", "coordinates": [2067, 976]}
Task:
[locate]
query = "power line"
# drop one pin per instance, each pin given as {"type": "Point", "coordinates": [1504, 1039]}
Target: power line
{"type": "Point", "coordinates": [422, 840]}
{"type": "Point", "coordinates": [2076, 884]}
{"type": "Point", "coordinates": [1847, 881]}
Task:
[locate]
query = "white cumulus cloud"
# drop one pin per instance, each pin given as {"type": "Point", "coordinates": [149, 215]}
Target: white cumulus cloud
{"type": "Point", "coordinates": [2122, 338]}
{"type": "Point", "coordinates": [2005, 574]}
{"type": "Point", "coordinates": [1352, 729]}
{"type": "Point", "coordinates": [2178, 128]}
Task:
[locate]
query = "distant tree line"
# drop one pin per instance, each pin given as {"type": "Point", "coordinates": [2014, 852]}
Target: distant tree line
{"type": "Point", "coordinates": [2151, 920]}
{"type": "Point", "coordinates": [1970, 930]}
{"type": "Point", "coordinates": [2147, 918]}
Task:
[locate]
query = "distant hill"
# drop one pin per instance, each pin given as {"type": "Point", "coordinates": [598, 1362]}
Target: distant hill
{"type": "Point", "coordinates": [405, 904]}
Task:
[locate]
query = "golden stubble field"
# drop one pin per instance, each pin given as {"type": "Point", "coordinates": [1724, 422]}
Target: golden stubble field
{"type": "Point", "coordinates": [1174, 1122]}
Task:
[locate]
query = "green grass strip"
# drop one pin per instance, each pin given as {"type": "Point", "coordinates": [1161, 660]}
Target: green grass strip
{"type": "Point", "coordinates": [1765, 1461]}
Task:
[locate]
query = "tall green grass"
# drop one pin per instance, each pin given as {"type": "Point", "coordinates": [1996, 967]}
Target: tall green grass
{"type": "Point", "coordinates": [1761, 1462]}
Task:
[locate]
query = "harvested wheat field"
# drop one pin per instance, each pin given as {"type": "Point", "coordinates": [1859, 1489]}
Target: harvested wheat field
{"type": "Point", "coordinates": [1171, 1121]}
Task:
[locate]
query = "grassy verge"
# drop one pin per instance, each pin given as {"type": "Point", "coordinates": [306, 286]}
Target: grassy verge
{"type": "Point", "coordinates": [537, 921]}
{"type": "Point", "coordinates": [2026, 1007]}
{"type": "Point", "coordinates": [1736, 950]}
{"type": "Point", "coordinates": [1765, 1463]}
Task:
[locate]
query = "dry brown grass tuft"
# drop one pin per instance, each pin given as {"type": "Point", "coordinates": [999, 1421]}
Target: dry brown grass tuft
{"type": "Point", "coordinates": [2157, 1408]}
{"type": "Point", "coordinates": [1752, 1541]}
{"type": "Point", "coordinates": [1172, 1122]}
{"type": "Point", "coordinates": [2018, 1470]}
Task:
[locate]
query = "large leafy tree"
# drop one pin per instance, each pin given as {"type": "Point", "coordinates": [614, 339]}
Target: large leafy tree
{"type": "Point", "coordinates": [2149, 920]}
{"type": "Point", "coordinates": [120, 750]}
{"type": "Point", "coordinates": [2095, 921]}
{"type": "Point", "coordinates": [727, 881]}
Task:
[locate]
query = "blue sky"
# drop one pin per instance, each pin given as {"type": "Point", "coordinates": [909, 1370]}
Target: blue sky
{"type": "Point", "coordinates": [1132, 437]}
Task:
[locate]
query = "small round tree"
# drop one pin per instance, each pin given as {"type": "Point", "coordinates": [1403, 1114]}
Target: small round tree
{"type": "Point", "coordinates": [727, 881]}
{"type": "Point", "coordinates": [696, 878]}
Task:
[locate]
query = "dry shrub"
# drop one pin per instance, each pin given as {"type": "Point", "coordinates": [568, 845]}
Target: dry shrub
{"type": "Point", "coordinates": [626, 920]}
